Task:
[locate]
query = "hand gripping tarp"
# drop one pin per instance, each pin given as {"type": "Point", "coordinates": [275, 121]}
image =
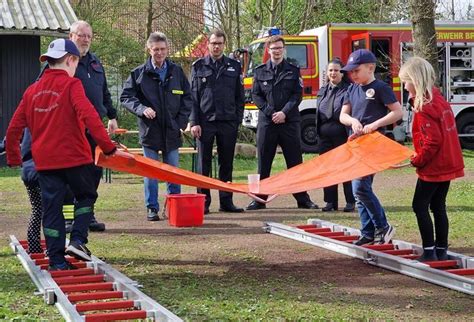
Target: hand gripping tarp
{"type": "Point", "coordinates": [363, 156]}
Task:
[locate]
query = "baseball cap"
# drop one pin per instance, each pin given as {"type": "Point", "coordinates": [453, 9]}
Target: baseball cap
{"type": "Point", "coordinates": [60, 47]}
{"type": "Point", "coordinates": [358, 57]}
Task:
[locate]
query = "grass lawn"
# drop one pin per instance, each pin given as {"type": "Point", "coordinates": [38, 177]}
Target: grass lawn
{"type": "Point", "coordinates": [229, 270]}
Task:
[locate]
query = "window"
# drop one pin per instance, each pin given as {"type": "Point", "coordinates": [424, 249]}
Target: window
{"type": "Point", "coordinates": [297, 55]}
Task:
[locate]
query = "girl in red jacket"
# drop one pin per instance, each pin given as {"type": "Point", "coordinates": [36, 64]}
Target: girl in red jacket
{"type": "Point", "coordinates": [438, 158]}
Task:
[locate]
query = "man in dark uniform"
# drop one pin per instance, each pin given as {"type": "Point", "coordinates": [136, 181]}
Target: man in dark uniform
{"type": "Point", "coordinates": [92, 75]}
{"type": "Point", "coordinates": [217, 112]}
{"type": "Point", "coordinates": [277, 92]}
{"type": "Point", "coordinates": [158, 93]}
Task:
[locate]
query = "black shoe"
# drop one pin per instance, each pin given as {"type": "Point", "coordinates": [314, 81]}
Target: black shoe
{"type": "Point", "coordinates": [429, 255]}
{"type": "Point", "coordinates": [363, 241]}
{"type": "Point", "coordinates": [384, 236]}
{"type": "Point", "coordinates": [206, 211]}
{"type": "Point", "coordinates": [329, 207]}
{"type": "Point", "coordinates": [66, 266]}
{"type": "Point", "coordinates": [350, 207]}
{"type": "Point", "coordinates": [307, 205]}
{"type": "Point", "coordinates": [442, 254]}
{"type": "Point", "coordinates": [78, 251]}
{"type": "Point", "coordinates": [231, 208]}
{"type": "Point", "coordinates": [255, 205]}
{"type": "Point", "coordinates": [69, 223]}
{"type": "Point", "coordinates": [96, 226]}
{"type": "Point", "coordinates": [152, 214]}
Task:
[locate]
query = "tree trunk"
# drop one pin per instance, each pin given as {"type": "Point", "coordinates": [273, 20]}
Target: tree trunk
{"type": "Point", "coordinates": [149, 19]}
{"type": "Point", "coordinates": [422, 14]}
{"type": "Point", "coordinates": [237, 21]}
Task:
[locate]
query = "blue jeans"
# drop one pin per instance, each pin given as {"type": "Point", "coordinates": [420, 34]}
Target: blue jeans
{"type": "Point", "coordinates": [371, 212]}
{"type": "Point", "coordinates": [151, 185]}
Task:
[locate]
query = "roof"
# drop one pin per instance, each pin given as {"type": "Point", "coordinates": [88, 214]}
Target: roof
{"type": "Point", "coordinates": [36, 17]}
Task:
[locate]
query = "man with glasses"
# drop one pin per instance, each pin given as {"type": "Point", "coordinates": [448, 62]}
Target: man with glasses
{"type": "Point", "coordinates": [277, 91]}
{"type": "Point", "coordinates": [218, 108]}
{"type": "Point", "coordinates": [92, 75]}
{"type": "Point", "coordinates": [158, 93]}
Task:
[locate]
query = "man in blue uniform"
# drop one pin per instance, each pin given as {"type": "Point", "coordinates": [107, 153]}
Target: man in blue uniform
{"type": "Point", "coordinates": [92, 75]}
{"type": "Point", "coordinates": [218, 108]}
{"type": "Point", "coordinates": [277, 91]}
{"type": "Point", "coordinates": [158, 93]}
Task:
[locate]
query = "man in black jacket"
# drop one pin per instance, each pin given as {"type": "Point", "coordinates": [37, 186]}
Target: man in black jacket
{"type": "Point", "coordinates": [277, 91]}
{"type": "Point", "coordinates": [92, 75]}
{"type": "Point", "coordinates": [218, 107]}
{"type": "Point", "coordinates": [158, 93]}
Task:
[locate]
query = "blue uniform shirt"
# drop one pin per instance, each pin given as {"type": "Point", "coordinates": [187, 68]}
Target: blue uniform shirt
{"type": "Point", "coordinates": [369, 102]}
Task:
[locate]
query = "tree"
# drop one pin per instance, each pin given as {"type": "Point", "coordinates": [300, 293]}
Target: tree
{"type": "Point", "coordinates": [422, 15]}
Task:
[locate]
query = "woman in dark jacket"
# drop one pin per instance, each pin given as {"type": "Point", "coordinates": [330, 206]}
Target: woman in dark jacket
{"type": "Point", "coordinates": [330, 131]}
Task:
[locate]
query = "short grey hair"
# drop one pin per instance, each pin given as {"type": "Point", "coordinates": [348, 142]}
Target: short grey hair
{"type": "Point", "coordinates": [79, 24]}
{"type": "Point", "coordinates": [156, 37]}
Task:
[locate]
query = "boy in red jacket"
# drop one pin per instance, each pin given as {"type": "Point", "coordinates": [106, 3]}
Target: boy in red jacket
{"type": "Point", "coordinates": [438, 158]}
{"type": "Point", "coordinates": [57, 113]}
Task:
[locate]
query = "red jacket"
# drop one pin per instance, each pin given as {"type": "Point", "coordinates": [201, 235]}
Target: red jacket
{"type": "Point", "coordinates": [435, 138]}
{"type": "Point", "coordinates": [57, 112]}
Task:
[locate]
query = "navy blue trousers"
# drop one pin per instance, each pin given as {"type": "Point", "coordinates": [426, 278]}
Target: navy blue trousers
{"type": "Point", "coordinates": [53, 185]}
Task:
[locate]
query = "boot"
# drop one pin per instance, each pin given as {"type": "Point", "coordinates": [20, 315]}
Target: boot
{"type": "Point", "coordinates": [442, 254]}
{"type": "Point", "coordinates": [429, 255]}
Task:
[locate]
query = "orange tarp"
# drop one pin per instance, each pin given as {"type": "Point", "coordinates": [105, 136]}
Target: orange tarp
{"type": "Point", "coordinates": [363, 156]}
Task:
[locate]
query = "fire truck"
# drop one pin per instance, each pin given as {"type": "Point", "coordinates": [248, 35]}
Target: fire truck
{"type": "Point", "coordinates": [392, 44]}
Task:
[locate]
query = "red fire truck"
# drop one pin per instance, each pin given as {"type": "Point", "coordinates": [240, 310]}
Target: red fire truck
{"type": "Point", "coordinates": [391, 44]}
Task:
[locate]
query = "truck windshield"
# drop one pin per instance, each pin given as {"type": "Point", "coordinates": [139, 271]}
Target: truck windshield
{"type": "Point", "coordinates": [256, 57]}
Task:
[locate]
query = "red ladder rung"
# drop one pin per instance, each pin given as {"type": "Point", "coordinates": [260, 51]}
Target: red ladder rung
{"type": "Point", "coordinates": [83, 307]}
{"type": "Point", "coordinates": [73, 272]}
{"type": "Point", "coordinates": [125, 315]}
{"type": "Point", "coordinates": [410, 256]}
{"type": "Point", "coordinates": [399, 251]}
{"type": "Point", "coordinates": [37, 255]}
{"type": "Point", "coordinates": [461, 271]}
{"type": "Point", "coordinates": [442, 264]}
{"type": "Point", "coordinates": [380, 247]}
{"type": "Point", "coordinates": [76, 265]}
{"type": "Point", "coordinates": [106, 286]}
{"type": "Point", "coordinates": [95, 296]}
{"type": "Point", "coordinates": [79, 279]}
{"type": "Point", "coordinates": [347, 238]}
{"type": "Point", "coordinates": [317, 230]}
{"type": "Point", "coordinates": [332, 234]}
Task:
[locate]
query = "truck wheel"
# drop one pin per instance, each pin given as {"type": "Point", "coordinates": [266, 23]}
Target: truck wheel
{"type": "Point", "coordinates": [465, 125]}
{"type": "Point", "coordinates": [309, 139]}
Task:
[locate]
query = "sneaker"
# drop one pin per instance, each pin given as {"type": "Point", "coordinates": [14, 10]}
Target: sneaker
{"type": "Point", "coordinates": [384, 236]}
{"type": "Point", "coordinates": [152, 214]}
{"type": "Point", "coordinates": [96, 226]}
{"type": "Point", "coordinates": [364, 241]}
{"type": "Point", "coordinates": [78, 251]}
{"type": "Point", "coordinates": [2, 146]}
{"type": "Point", "coordinates": [66, 266]}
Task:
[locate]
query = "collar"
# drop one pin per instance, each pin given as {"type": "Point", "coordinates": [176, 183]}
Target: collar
{"type": "Point", "coordinates": [209, 60]}
{"type": "Point", "coordinates": [163, 67]}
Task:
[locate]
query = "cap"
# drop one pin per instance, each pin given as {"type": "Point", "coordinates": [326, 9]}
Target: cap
{"type": "Point", "coordinates": [60, 47]}
{"type": "Point", "coordinates": [358, 57]}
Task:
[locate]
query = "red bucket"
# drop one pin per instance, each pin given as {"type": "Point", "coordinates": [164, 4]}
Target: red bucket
{"type": "Point", "coordinates": [185, 210]}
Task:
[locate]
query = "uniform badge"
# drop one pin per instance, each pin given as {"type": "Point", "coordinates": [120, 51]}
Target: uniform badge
{"type": "Point", "coordinates": [204, 79]}
{"type": "Point", "coordinates": [265, 83]}
{"type": "Point", "coordinates": [370, 93]}
{"type": "Point", "coordinates": [231, 69]}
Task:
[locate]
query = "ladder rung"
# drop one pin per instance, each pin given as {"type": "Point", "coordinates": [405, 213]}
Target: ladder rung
{"type": "Point", "coordinates": [125, 315]}
{"type": "Point", "coordinates": [95, 296]}
{"type": "Point", "coordinates": [410, 256]}
{"type": "Point", "coordinates": [380, 247]}
{"type": "Point", "coordinates": [72, 272]}
{"type": "Point", "coordinates": [317, 230]}
{"type": "Point", "coordinates": [109, 286]}
{"type": "Point", "coordinates": [442, 264]}
{"type": "Point", "coordinates": [79, 279]}
{"type": "Point", "coordinates": [306, 226]}
{"type": "Point", "coordinates": [37, 255]}
{"type": "Point", "coordinates": [461, 271]}
{"type": "Point", "coordinates": [76, 265]}
{"type": "Point", "coordinates": [331, 234]}
{"type": "Point", "coordinates": [83, 307]}
{"type": "Point", "coordinates": [348, 238]}
{"type": "Point", "coordinates": [398, 251]}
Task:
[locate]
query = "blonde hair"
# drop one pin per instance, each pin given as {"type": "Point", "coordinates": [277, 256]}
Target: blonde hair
{"type": "Point", "coordinates": [421, 74]}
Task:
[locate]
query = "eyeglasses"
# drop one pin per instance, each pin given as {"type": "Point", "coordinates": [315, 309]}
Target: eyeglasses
{"type": "Point", "coordinates": [83, 36]}
{"type": "Point", "coordinates": [216, 43]}
{"type": "Point", "coordinates": [276, 48]}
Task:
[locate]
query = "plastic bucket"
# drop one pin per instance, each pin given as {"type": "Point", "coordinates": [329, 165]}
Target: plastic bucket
{"type": "Point", "coordinates": [185, 210]}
